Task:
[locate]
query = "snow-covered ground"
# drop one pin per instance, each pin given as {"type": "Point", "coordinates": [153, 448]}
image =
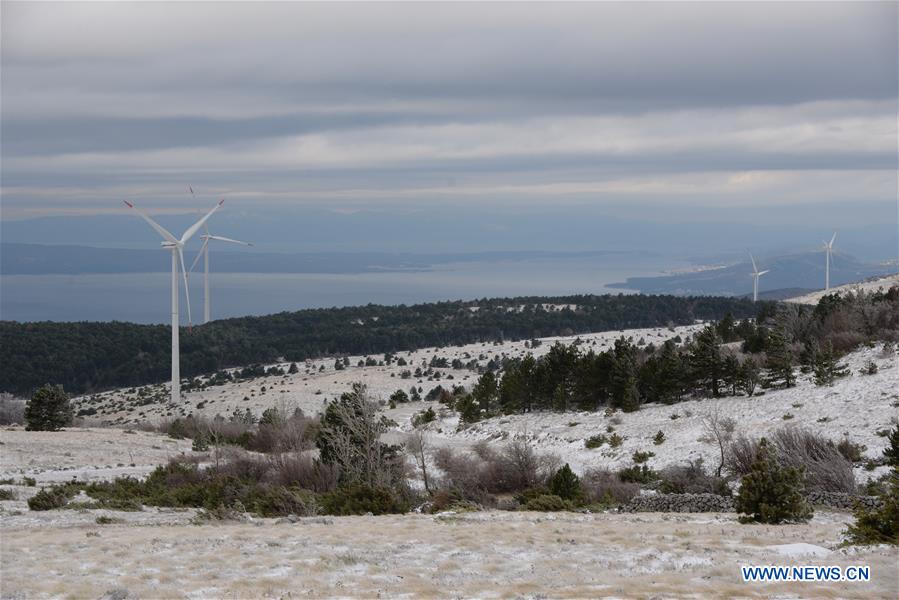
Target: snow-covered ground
{"type": "Point", "coordinates": [882, 283]}
{"type": "Point", "coordinates": [318, 381]}
{"type": "Point", "coordinates": [483, 555]}
{"type": "Point", "coordinates": [164, 553]}
{"type": "Point", "coordinates": [84, 454]}
{"type": "Point", "coordinates": [857, 407]}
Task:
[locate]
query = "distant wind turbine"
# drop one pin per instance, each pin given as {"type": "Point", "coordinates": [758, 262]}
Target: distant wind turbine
{"type": "Point", "coordinates": [176, 246]}
{"type": "Point", "coordinates": [204, 252]}
{"type": "Point", "coordinates": [828, 250]}
{"type": "Point", "coordinates": [755, 278]}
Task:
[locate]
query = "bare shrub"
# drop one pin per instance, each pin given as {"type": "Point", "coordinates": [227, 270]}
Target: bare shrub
{"type": "Point", "coordinates": [240, 464]}
{"type": "Point", "coordinates": [846, 341]}
{"type": "Point", "coordinates": [217, 431]}
{"type": "Point", "coordinates": [513, 468]}
{"type": "Point", "coordinates": [691, 478]}
{"type": "Point", "coordinates": [604, 487]}
{"type": "Point", "coordinates": [303, 471]}
{"type": "Point", "coordinates": [461, 474]}
{"type": "Point", "coordinates": [721, 431]}
{"type": "Point", "coordinates": [825, 468]}
{"type": "Point", "coordinates": [851, 451]}
{"type": "Point", "coordinates": [741, 455]}
{"type": "Point", "coordinates": [12, 410]}
{"type": "Point", "coordinates": [291, 434]}
{"type": "Point", "coordinates": [417, 446]}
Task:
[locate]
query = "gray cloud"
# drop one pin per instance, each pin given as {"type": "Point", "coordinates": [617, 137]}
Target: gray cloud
{"type": "Point", "coordinates": [726, 103]}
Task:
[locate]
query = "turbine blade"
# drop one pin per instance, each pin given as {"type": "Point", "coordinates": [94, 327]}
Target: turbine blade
{"type": "Point", "coordinates": [186, 290]}
{"type": "Point", "coordinates": [159, 228]}
{"type": "Point", "coordinates": [832, 239]}
{"type": "Point", "coordinates": [193, 228]}
{"type": "Point", "coordinates": [752, 258]}
{"type": "Point", "coordinates": [763, 272]}
{"type": "Point", "coordinates": [224, 239]}
{"type": "Point", "coordinates": [199, 254]}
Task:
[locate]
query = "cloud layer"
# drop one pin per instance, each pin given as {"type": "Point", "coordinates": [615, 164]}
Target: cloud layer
{"type": "Point", "coordinates": [703, 105]}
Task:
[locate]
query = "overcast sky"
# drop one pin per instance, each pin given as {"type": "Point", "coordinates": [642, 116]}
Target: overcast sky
{"type": "Point", "coordinates": [376, 106]}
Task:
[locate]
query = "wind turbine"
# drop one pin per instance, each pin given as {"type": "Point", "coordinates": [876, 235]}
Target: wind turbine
{"type": "Point", "coordinates": [204, 252]}
{"type": "Point", "coordinates": [828, 250]}
{"type": "Point", "coordinates": [755, 278]}
{"type": "Point", "coordinates": [176, 246]}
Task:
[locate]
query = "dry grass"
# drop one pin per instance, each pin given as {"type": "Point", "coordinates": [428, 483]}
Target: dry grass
{"type": "Point", "coordinates": [476, 554]}
{"type": "Point", "coordinates": [85, 453]}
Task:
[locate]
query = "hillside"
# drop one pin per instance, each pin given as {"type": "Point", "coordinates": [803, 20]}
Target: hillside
{"type": "Point", "coordinates": [872, 285]}
{"type": "Point", "coordinates": [856, 406]}
{"type": "Point", "coordinates": [96, 356]}
{"type": "Point", "coordinates": [805, 270]}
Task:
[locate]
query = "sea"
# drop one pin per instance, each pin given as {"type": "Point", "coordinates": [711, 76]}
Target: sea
{"type": "Point", "coordinates": [145, 297]}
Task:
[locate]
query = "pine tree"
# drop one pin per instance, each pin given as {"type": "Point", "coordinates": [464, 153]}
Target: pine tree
{"type": "Point", "coordinates": [565, 484]}
{"type": "Point", "coordinates": [48, 409]}
{"type": "Point", "coordinates": [706, 361]}
{"type": "Point", "coordinates": [623, 378]}
{"type": "Point", "coordinates": [826, 367]}
{"type": "Point", "coordinates": [770, 493]}
{"type": "Point", "coordinates": [560, 399]}
{"type": "Point", "coordinates": [399, 397]}
{"type": "Point", "coordinates": [486, 393]}
{"type": "Point", "coordinates": [468, 408]}
{"type": "Point", "coordinates": [670, 377]}
{"type": "Point", "coordinates": [809, 355]}
{"type": "Point", "coordinates": [891, 452]}
{"type": "Point", "coordinates": [726, 328]}
{"type": "Point", "coordinates": [731, 373]}
{"type": "Point", "coordinates": [878, 525]}
{"type": "Point", "coordinates": [750, 376]}
{"type": "Point", "coordinates": [779, 361]}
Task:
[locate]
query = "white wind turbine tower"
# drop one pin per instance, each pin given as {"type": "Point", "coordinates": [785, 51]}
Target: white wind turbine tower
{"type": "Point", "coordinates": [828, 250]}
{"type": "Point", "coordinates": [204, 252]}
{"type": "Point", "coordinates": [177, 248]}
{"type": "Point", "coordinates": [755, 278]}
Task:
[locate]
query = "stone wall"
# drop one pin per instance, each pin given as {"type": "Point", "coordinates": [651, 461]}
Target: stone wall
{"type": "Point", "coordinates": [841, 500]}
{"type": "Point", "coordinates": [714, 503]}
{"type": "Point", "coordinates": [680, 503]}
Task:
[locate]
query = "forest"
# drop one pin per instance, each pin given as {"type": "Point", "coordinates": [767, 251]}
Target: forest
{"type": "Point", "coordinates": [93, 356]}
{"type": "Point", "coordinates": [726, 358]}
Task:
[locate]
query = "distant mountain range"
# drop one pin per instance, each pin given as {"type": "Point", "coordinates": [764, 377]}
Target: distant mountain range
{"type": "Point", "coordinates": [789, 275]}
